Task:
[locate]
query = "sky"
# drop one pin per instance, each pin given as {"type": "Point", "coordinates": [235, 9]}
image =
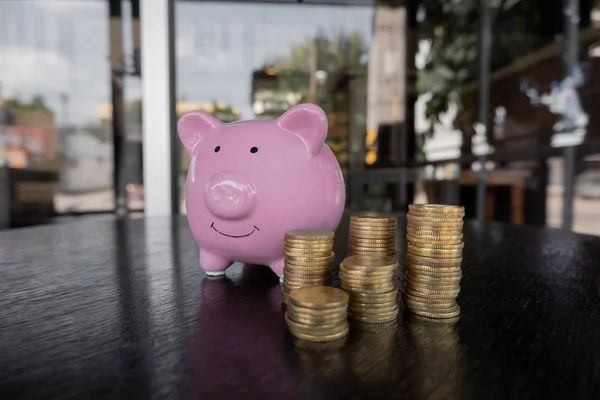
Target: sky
{"type": "Point", "coordinates": [56, 47]}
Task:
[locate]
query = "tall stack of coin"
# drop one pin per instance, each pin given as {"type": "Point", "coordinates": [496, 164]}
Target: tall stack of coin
{"type": "Point", "coordinates": [371, 235]}
{"type": "Point", "coordinates": [434, 257]}
{"type": "Point", "coordinates": [308, 259]}
{"type": "Point", "coordinates": [370, 282]}
{"type": "Point", "coordinates": [318, 313]}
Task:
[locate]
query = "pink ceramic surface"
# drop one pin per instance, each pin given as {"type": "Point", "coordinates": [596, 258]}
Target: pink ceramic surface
{"type": "Point", "coordinates": [251, 181]}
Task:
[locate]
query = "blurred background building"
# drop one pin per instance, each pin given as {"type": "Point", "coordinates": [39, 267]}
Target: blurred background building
{"type": "Point", "coordinates": [400, 81]}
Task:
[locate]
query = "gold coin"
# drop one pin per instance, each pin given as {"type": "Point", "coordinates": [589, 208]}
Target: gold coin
{"type": "Point", "coordinates": [390, 236]}
{"type": "Point", "coordinates": [299, 241]}
{"type": "Point", "coordinates": [435, 215]}
{"type": "Point", "coordinates": [428, 307]}
{"type": "Point", "coordinates": [290, 282]}
{"type": "Point", "coordinates": [433, 279]}
{"type": "Point", "coordinates": [381, 307]}
{"type": "Point", "coordinates": [321, 297]}
{"type": "Point", "coordinates": [447, 290]}
{"type": "Point", "coordinates": [425, 280]}
{"type": "Point", "coordinates": [428, 237]}
{"type": "Point", "coordinates": [308, 273]}
{"type": "Point", "coordinates": [313, 259]}
{"type": "Point", "coordinates": [366, 273]}
{"type": "Point", "coordinates": [435, 226]}
{"type": "Point", "coordinates": [433, 262]}
{"type": "Point", "coordinates": [435, 219]}
{"type": "Point", "coordinates": [303, 255]}
{"type": "Point", "coordinates": [290, 287]}
{"type": "Point", "coordinates": [372, 220]}
{"type": "Point", "coordinates": [354, 289]}
{"type": "Point", "coordinates": [447, 305]}
{"type": "Point", "coordinates": [366, 279]}
{"type": "Point", "coordinates": [313, 244]}
{"type": "Point", "coordinates": [375, 251]}
{"type": "Point", "coordinates": [372, 230]}
{"type": "Point", "coordinates": [354, 252]}
{"type": "Point", "coordinates": [434, 245]}
{"type": "Point", "coordinates": [360, 282]}
{"type": "Point", "coordinates": [318, 248]}
{"type": "Point", "coordinates": [430, 296]}
{"type": "Point", "coordinates": [316, 321]}
{"type": "Point", "coordinates": [363, 297]}
{"type": "Point", "coordinates": [322, 338]}
{"type": "Point", "coordinates": [373, 314]}
{"type": "Point", "coordinates": [368, 286]}
{"type": "Point", "coordinates": [434, 253]}
{"type": "Point", "coordinates": [433, 273]}
{"type": "Point", "coordinates": [450, 314]}
{"type": "Point", "coordinates": [314, 329]}
{"type": "Point", "coordinates": [434, 233]}
{"type": "Point", "coordinates": [323, 264]}
{"type": "Point", "coordinates": [379, 242]}
{"type": "Point", "coordinates": [306, 278]}
{"type": "Point", "coordinates": [365, 247]}
{"type": "Point", "coordinates": [310, 234]}
{"type": "Point", "coordinates": [370, 262]}
{"type": "Point", "coordinates": [407, 297]}
{"type": "Point", "coordinates": [376, 319]}
{"type": "Point", "coordinates": [308, 265]}
{"type": "Point", "coordinates": [285, 296]}
{"type": "Point", "coordinates": [314, 251]}
{"type": "Point", "coordinates": [299, 275]}
{"type": "Point", "coordinates": [374, 245]}
{"type": "Point", "coordinates": [312, 313]}
{"type": "Point", "coordinates": [436, 208]}
{"type": "Point", "coordinates": [428, 244]}
{"type": "Point", "coordinates": [388, 269]}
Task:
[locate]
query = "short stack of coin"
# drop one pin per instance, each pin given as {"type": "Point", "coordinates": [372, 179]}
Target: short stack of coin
{"type": "Point", "coordinates": [372, 235]}
{"type": "Point", "coordinates": [434, 257]}
{"type": "Point", "coordinates": [318, 313]}
{"type": "Point", "coordinates": [371, 283]}
{"type": "Point", "coordinates": [308, 259]}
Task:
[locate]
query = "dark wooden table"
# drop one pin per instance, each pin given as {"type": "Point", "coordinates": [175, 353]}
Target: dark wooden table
{"type": "Point", "coordinates": [100, 309]}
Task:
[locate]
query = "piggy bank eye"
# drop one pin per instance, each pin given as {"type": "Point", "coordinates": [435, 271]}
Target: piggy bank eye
{"type": "Point", "coordinates": [217, 149]}
{"type": "Point", "coordinates": [253, 150]}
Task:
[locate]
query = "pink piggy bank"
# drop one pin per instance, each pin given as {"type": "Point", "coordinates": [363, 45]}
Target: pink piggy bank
{"type": "Point", "coordinates": [251, 181]}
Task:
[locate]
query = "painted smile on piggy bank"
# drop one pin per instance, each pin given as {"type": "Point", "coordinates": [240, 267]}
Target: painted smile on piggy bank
{"type": "Point", "coordinates": [234, 236]}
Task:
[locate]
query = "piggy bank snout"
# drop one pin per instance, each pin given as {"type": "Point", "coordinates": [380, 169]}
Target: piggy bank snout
{"type": "Point", "coordinates": [229, 196]}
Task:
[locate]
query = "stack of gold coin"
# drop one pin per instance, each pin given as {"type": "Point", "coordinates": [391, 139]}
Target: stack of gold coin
{"type": "Point", "coordinates": [434, 257]}
{"type": "Point", "coordinates": [308, 259]}
{"type": "Point", "coordinates": [318, 313]}
{"type": "Point", "coordinates": [370, 282]}
{"type": "Point", "coordinates": [371, 235]}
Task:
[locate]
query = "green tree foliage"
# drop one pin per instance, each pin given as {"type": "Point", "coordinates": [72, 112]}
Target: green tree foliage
{"type": "Point", "coordinates": [336, 55]}
{"type": "Point", "coordinates": [519, 27]}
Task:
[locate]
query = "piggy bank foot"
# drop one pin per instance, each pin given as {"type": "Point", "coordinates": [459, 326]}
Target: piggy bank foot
{"type": "Point", "coordinates": [277, 267]}
{"type": "Point", "coordinates": [213, 264]}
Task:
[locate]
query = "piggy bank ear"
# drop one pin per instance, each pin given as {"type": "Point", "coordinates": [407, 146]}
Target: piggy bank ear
{"type": "Point", "coordinates": [193, 126]}
{"type": "Point", "coordinates": [309, 122]}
